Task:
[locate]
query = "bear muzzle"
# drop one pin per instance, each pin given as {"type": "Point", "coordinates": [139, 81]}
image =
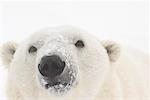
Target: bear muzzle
{"type": "Point", "coordinates": [56, 74]}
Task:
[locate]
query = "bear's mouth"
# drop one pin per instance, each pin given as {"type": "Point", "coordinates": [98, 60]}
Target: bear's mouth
{"type": "Point", "coordinates": [59, 85]}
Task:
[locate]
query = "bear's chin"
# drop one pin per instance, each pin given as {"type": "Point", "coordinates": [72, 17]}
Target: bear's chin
{"type": "Point", "coordinates": [60, 86]}
{"type": "Point", "coordinates": [60, 89]}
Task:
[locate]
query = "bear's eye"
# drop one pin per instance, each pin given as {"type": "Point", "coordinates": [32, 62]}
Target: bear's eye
{"type": "Point", "coordinates": [79, 44]}
{"type": "Point", "coordinates": [32, 49]}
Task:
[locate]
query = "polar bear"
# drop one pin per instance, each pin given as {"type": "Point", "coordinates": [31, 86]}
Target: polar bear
{"type": "Point", "coordinates": [67, 63]}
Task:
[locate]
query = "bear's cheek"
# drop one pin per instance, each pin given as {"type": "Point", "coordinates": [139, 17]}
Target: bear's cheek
{"type": "Point", "coordinates": [93, 70]}
{"type": "Point", "coordinates": [23, 70]}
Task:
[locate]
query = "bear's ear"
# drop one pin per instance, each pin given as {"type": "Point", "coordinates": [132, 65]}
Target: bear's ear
{"type": "Point", "coordinates": [113, 50]}
{"type": "Point", "coordinates": [7, 52]}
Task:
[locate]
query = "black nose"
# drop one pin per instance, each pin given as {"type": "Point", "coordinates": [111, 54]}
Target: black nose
{"type": "Point", "coordinates": [51, 66]}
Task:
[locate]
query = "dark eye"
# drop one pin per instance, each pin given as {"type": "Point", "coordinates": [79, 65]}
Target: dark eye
{"type": "Point", "coordinates": [32, 49]}
{"type": "Point", "coordinates": [79, 44]}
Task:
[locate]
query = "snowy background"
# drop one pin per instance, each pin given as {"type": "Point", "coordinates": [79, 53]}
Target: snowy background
{"type": "Point", "coordinates": [123, 21]}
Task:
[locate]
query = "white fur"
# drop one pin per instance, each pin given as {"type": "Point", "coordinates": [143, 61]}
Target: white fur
{"type": "Point", "coordinates": [7, 51]}
{"type": "Point", "coordinates": [104, 73]}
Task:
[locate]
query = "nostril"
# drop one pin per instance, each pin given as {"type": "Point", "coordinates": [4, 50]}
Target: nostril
{"type": "Point", "coordinates": [63, 64]}
{"type": "Point", "coordinates": [43, 69]}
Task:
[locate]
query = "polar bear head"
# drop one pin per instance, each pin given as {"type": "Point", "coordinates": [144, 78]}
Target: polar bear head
{"type": "Point", "coordinates": [58, 61]}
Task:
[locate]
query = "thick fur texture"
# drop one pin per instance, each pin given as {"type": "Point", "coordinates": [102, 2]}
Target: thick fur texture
{"type": "Point", "coordinates": [7, 52]}
{"type": "Point", "coordinates": [106, 70]}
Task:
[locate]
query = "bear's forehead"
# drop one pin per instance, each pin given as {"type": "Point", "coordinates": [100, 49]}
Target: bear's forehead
{"type": "Point", "coordinates": [57, 34]}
